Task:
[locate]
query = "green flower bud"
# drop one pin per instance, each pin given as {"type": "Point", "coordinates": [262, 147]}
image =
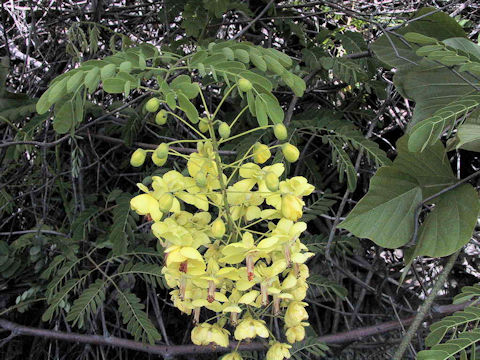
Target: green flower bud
{"type": "Point", "coordinates": [218, 228]}
{"type": "Point", "coordinates": [203, 125]}
{"type": "Point", "coordinates": [165, 202]}
{"type": "Point", "coordinates": [271, 180]}
{"type": "Point", "coordinates": [224, 130]}
{"type": "Point", "coordinates": [152, 105]}
{"type": "Point", "coordinates": [280, 132]}
{"type": "Point", "coordinates": [162, 151]}
{"type": "Point", "coordinates": [157, 161]}
{"type": "Point", "coordinates": [290, 152]}
{"type": "Point", "coordinates": [138, 157]}
{"type": "Point", "coordinates": [244, 85]}
{"type": "Point", "coordinates": [161, 117]}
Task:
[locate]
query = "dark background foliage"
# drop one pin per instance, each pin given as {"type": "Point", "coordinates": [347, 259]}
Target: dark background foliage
{"type": "Point", "coordinates": [64, 199]}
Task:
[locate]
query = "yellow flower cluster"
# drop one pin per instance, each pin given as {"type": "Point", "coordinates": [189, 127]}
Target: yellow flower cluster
{"type": "Point", "coordinates": [232, 248]}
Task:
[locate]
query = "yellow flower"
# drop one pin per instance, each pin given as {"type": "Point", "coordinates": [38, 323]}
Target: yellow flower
{"type": "Point", "coordinates": [278, 351]}
{"type": "Point", "coordinates": [243, 202]}
{"type": "Point", "coordinates": [296, 333]}
{"type": "Point", "coordinates": [205, 334]}
{"type": "Point", "coordinates": [292, 207]}
{"type": "Point", "coordinates": [146, 204]}
{"type": "Point", "coordinates": [203, 160]}
{"type": "Point", "coordinates": [261, 153]}
{"type": "Point", "coordinates": [295, 313]}
{"type": "Point", "coordinates": [289, 198]}
{"type": "Point", "coordinates": [249, 328]}
{"type": "Point", "coordinates": [232, 356]}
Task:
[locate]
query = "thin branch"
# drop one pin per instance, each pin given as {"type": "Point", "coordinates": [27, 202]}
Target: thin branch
{"type": "Point", "coordinates": [249, 25]}
{"type": "Point", "coordinates": [340, 338]}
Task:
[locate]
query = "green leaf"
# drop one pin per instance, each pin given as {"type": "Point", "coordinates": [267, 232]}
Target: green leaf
{"type": "Point", "coordinates": [430, 168]}
{"type": "Point", "coordinates": [137, 320]}
{"type": "Point", "coordinates": [274, 110]}
{"type": "Point", "coordinates": [258, 61]}
{"type": "Point", "coordinates": [43, 104]}
{"type": "Point", "coordinates": [57, 91]}
{"type": "Point", "coordinates": [420, 38]}
{"type": "Point", "coordinates": [433, 88]}
{"type": "Point", "coordinates": [261, 111]}
{"type": "Point", "coordinates": [75, 81]}
{"type": "Point", "coordinates": [108, 71]}
{"type": "Point", "coordinates": [450, 224]}
{"type": "Point", "coordinates": [92, 79]}
{"type": "Point", "coordinates": [273, 65]}
{"type": "Point", "coordinates": [391, 49]}
{"type": "Point", "coordinates": [242, 55]}
{"type": "Point", "coordinates": [189, 109]}
{"type": "Point", "coordinates": [117, 236]}
{"type": "Point", "coordinates": [385, 215]}
{"type": "Point", "coordinates": [114, 85]}
{"type": "Point", "coordinates": [87, 303]}
{"type": "Point", "coordinates": [468, 134]}
{"type": "Point", "coordinates": [427, 131]}
{"type": "Point", "coordinates": [63, 120]}
{"type": "Point", "coordinates": [257, 79]}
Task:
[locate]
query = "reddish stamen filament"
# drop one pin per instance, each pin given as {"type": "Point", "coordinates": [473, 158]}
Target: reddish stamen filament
{"type": "Point", "coordinates": [211, 291]}
{"type": "Point", "coordinates": [183, 266]}
{"type": "Point", "coordinates": [250, 267]}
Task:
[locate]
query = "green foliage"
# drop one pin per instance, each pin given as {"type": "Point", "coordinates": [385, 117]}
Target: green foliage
{"type": "Point", "coordinates": [100, 258]}
{"type": "Point", "coordinates": [341, 135]}
{"type": "Point", "coordinates": [386, 214]}
{"type": "Point", "coordinates": [136, 319]}
{"type": "Point", "coordinates": [123, 225]}
{"type": "Point", "coordinates": [427, 131]}
{"type": "Point", "coordinates": [321, 286]}
{"type": "Point", "coordinates": [13, 106]}
{"type": "Point", "coordinates": [308, 348]}
{"type": "Point", "coordinates": [455, 334]}
{"type": "Point", "coordinates": [87, 303]}
{"type": "Point", "coordinates": [437, 69]}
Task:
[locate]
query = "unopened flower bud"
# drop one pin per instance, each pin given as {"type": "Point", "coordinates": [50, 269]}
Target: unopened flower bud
{"type": "Point", "coordinates": [290, 152]}
{"type": "Point", "coordinates": [157, 161]}
{"type": "Point", "coordinates": [218, 228]}
{"type": "Point", "coordinates": [162, 151]}
{"type": "Point", "coordinates": [224, 130]}
{"type": "Point", "coordinates": [244, 85]}
{"type": "Point", "coordinates": [203, 125]}
{"type": "Point", "coordinates": [280, 132]}
{"type": "Point", "coordinates": [138, 157]}
{"type": "Point", "coordinates": [161, 117]}
{"type": "Point", "coordinates": [152, 105]}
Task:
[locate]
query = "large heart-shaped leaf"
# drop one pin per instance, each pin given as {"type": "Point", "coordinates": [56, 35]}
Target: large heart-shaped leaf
{"type": "Point", "coordinates": [430, 168]}
{"type": "Point", "coordinates": [449, 226]}
{"type": "Point", "coordinates": [385, 215]}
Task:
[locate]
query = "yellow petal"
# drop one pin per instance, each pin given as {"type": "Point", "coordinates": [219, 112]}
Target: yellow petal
{"type": "Point", "coordinates": [191, 253]}
{"type": "Point", "coordinates": [249, 297]}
